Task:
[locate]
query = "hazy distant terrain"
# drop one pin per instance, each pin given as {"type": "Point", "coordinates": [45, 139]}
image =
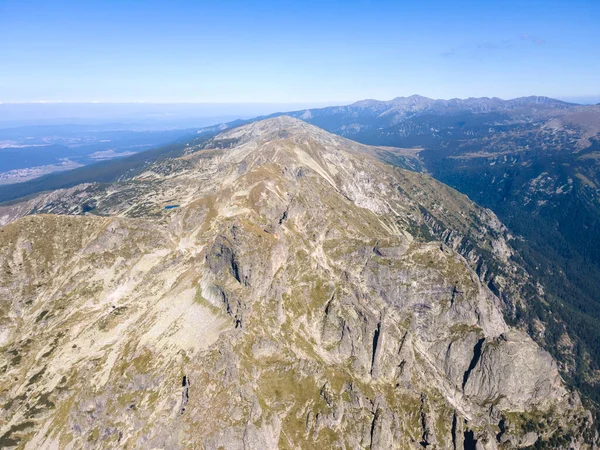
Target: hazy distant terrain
{"type": "Point", "coordinates": [31, 151]}
{"type": "Point", "coordinates": [136, 116]}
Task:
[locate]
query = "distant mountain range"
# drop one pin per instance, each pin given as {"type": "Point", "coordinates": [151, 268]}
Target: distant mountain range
{"type": "Point", "coordinates": [408, 119]}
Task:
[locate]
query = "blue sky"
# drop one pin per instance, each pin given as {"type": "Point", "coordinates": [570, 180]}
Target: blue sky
{"type": "Point", "coordinates": [296, 51]}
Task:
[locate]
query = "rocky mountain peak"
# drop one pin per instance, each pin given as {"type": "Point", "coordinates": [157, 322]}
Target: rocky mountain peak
{"type": "Point", "coordinates": [274, 287]}
{"type": "Point", "coordinates": [273, 133]}
{"type": "Point", "coordinates": [268, 128]}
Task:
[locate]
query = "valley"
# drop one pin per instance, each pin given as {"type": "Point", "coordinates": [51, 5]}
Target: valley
{"type": "Point", "coordinates": [32, 151]}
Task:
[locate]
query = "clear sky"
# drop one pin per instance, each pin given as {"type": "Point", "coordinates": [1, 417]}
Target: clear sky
{"type": "Point", "coordinates": [296, 51]}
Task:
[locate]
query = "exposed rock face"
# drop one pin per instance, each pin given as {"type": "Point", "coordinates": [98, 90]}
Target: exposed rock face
{"type": "Point", "coordinates": [300, 293]}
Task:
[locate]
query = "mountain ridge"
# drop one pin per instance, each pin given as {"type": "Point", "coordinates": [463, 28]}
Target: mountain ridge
{"type": "Point", "coordinates": [415, 99]}
{"type": "Point", "coordinates": [306, 293]}
{"type": "Point", "coordinates": [534, 166]}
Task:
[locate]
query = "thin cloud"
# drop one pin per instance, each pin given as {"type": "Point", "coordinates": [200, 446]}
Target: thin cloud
{"type": "Point", "coordinates": [448, 53]}
{"type": "Point", "coordinates": [477, 51]}
{"type": "Point", "coordinates": [532, 39]}
{"type": "Point", "coordinates": [485, 49]}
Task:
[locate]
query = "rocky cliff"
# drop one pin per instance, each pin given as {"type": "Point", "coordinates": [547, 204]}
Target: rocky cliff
{"type": "Point", "coordinates": [277, 287]}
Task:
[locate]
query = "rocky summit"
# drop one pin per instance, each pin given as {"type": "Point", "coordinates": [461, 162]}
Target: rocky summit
{"type": "Point", "coordinates": [274, 287]}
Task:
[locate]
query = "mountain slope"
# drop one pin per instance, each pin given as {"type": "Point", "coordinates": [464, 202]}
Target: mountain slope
{"type": "Point", "coordinates": [301, 295]}
{"type": "Point", "coordinates": [535, 162]}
